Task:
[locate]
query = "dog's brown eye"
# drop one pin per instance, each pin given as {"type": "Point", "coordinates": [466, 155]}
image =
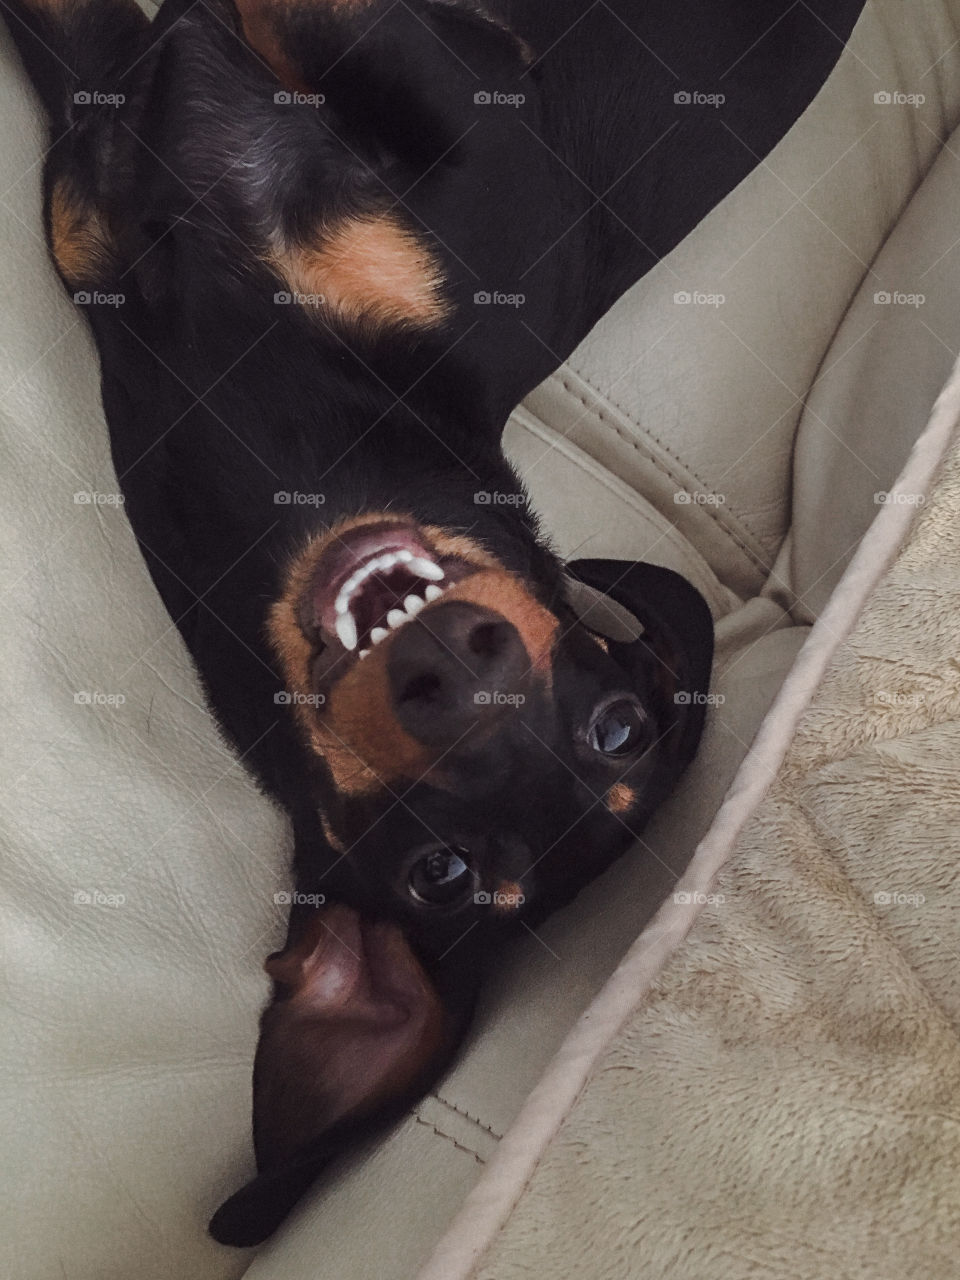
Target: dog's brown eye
{"type": "Point", "coordinates": [441, 877]}
{"type": "Point", "coordinates": [619, 729]}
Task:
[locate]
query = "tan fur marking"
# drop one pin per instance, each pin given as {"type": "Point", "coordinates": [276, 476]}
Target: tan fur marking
{"type": "Point", "coordinates": [79, 240]}
{"type": "Point", "coordinates": [357, 734]}
{"type": "Point", "coordinates": [620, 797]}
{"type": "Point", "coordinates": [370, 268]}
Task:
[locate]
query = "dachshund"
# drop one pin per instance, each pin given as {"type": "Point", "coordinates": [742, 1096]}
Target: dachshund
{"type": "Point", "coordinates": [325, 247]}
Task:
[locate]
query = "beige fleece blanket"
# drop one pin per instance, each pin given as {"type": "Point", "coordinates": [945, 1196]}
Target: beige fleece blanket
{"type": "Point", "coordinates": [778, 1095]}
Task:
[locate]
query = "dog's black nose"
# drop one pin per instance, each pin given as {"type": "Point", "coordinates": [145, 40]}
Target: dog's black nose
{"type": "Point", "coordinates": [456, 664]}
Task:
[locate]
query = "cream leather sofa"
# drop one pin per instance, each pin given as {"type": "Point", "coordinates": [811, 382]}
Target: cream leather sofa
{"type": "Point", "coordinates": [140, 865]}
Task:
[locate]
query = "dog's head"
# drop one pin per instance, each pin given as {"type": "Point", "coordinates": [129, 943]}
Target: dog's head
{"type": "Point", "coordinates": [482, 749]}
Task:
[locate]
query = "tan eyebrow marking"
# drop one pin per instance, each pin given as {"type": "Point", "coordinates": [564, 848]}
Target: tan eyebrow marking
{"type": "Point", "coordinates": [620, 797]}
{"type": "Point", "coordinates": [367, 268]}
{"type": "Point", "coordinates": [79, 239]}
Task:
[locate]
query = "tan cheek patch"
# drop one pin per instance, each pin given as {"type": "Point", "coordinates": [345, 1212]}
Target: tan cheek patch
{"type": "Point", "coordinates": [79, 240]}
{"type": "Point", "coordinates": [620, 797]}
{"type": "Point", "coordinates": [371, 269]}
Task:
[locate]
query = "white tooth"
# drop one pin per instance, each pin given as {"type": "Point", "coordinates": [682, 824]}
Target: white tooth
{"type": "Point", "coordinates": [378, 634]}
{"type": "Point", "coordinates": [425, 568]}
{"type": "Point", "coordinates": [413, 605]}
{"type": "Point", "coordinates": [343, 603]}
{"type": "Point", "coordinates": [433, 592]}
{"type": "Point", "coordinates": [396, 618]}
{"type": "Point", "coordinates": [347, 630]}
{"type": "Point", "coordinates": [404, 555]}
{"type": "Point", "coordinates": [364, 652]}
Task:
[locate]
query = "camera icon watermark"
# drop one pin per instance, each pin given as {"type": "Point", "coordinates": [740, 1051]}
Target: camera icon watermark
{"type": "Point", "coordinates": [895, 298]}
{"type": "Point", "coordinates": [495, 298]}
{"type": "Point", "coordinates": [496, 698]}
{"type": "Point", "coordinates": [97, 898]}
{"type": "Point", "coordinates": [494, 498]}
{"type": "Point", "coordinates": [695, 698]}
{"type": "Point", "coordinates": [698, 298]}
{"type": "Point", "coordinates": [285, 98]}
{"type": "Point", "coordinates": [94, 98]}
{"type": "Point", "coordinates": [284, 498]}
{"type": "Point", "coordinates": [94, 298]}
{"type": "Point", "coordinates": [895, 98]}
{"type": "Point", "coordinates": [494, 98]}
{"type": "Point", "coordinates": [894, 498]}
{"type": "Point", "coordinates": [684, 498]}
{"type": "Point", "coordinates": [91, 498]}
{"type": "Point", "coordinates": [94, 698]}
{"type": "Point", "coordinates": [894, 698]}
{"type": "Point", "coordinates": [286, 298]}
{"type": "Point", "coordinates": [694, 98]}
{"type": "Point", "coordinates": [286, 698]}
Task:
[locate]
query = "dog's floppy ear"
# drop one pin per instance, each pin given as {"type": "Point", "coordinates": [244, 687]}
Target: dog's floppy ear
{"type": "Point", "coordinates": [677, 632]}
{"type": "Point", "coordinates": [355, 1031]}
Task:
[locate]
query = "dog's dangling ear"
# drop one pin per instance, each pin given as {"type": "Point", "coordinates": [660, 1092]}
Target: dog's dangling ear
{"type": "Point", "coordinates": [673, 627]}
{"type": "Point", "coordinates": [399, 73]}
{"type": "Point", "coordinates": [355, 1030]}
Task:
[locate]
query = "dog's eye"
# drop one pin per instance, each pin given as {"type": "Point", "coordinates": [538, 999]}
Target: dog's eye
{"type": "Point", "coordinates": [441, 877]}
{"type": "Point", "coordinates": [619, 728]}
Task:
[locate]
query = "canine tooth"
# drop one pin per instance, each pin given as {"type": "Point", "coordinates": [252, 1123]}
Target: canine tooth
{"type": "Point", "coordinates": [397, 617]}
{"type": "Point", "coordinates": [378, 634]}
{"type": "Point", "coordinates": [425, 568]}
{"type": "Point", "coordinates": [347, 630]}
{"type": "Point", "coordinates": [433, 592]}
{"type": "Point", "coordinates": [413, 605]}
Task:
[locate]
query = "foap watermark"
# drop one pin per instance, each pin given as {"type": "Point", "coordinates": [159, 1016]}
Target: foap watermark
{"type": "Point", "coordinates": [94, 698]}
{"type": "Point", "coordinates": [496, 698]}
{"type": "Point", "coordinates": [495, 498]}
{"type": "Point", "coordinates": [97, 898]}
{"type": "Point", "coordinates": [894, 698]}
{"type": "Point", "coordinates": [94, 298]}
{"type": "Point", "coordinates": [895, 298]}
{"type": "Point", "coordinates": [285, 98]}
{"type": "Point", "coordinates": [294, 898]}
{"type": "Point", "coordinates": [284, 498]}
{"type": "Point", "coordinates": [697, 298]}
{"type": "Point", "coordinates": [695, 698]}
{"type": "Point", "coordinates": [895, 498]}
{"type": "Point", "coordinates": [286, 698]}
{"type": "Point", "coordinates": [896, 98]}
{"type": "Point", "coordinates": [486, 298]}
{"type": "Point", "coordinates": [897, 899]}
{"type": "Point", "coordinates": [683, 898]}
{"type": "Point", "coordinates": [288, 298]}
{"type": "Point", "coordinates": [499, 898]}
{"type": "Point", "coordinates": [91, 498]}
{"type": "Point", "coordinates": [684, 498]}
{"type": "Point", "coordinates": [95, 98]}
{"type": "Point", "coordinates": [694, 98]}
{"type": "Point", "coordinates": [494, 98]}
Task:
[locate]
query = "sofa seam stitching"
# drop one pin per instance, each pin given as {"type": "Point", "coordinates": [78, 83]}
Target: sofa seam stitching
{"type": "Point", "coordinates": [610, 424]}
{"type": "Point", "coordinates": [440, 1134]}
{"type": "Point", "coordinates": [467, 1116]}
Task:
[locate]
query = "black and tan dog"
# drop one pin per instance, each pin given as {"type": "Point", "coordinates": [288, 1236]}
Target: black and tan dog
{"type": "Point", "coordinates": [325, 247]}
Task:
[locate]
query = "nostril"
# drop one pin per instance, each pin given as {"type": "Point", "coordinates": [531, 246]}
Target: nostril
{"type": "Point", "coordinates": [422, 688]}
{"type": "Point", "coordinates": [489, 639]}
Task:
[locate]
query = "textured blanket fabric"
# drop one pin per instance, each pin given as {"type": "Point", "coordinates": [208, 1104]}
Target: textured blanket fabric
{"type": "Point", "coordinates": [785, 1101]}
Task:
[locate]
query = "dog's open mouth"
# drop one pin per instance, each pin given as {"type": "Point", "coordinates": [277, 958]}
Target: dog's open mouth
{"type": "Point", "coordinates": [373, 579]}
